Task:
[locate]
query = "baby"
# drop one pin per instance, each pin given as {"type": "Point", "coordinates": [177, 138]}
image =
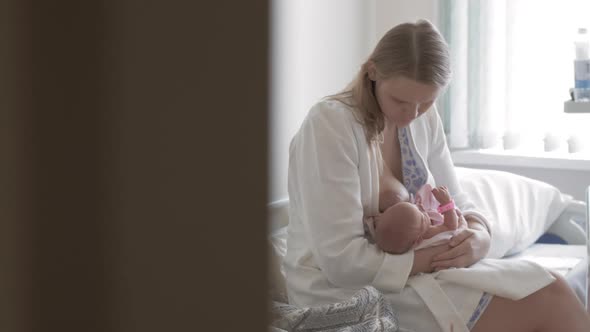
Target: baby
{"type": "Point", "coordinates": [405, 225]}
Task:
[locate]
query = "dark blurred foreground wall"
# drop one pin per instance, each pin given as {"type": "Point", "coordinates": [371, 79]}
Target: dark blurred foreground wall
{"type": "Point", "coordinates": [133, 165]}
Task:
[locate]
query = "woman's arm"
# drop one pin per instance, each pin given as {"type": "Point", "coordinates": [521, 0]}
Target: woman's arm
{"type": "Point", "coordinates": [325, 192]}
{"type": "Point", "coordinates": [473, 243]}
{"type": "Point", "coordinates": [424, 258]}
{"type": "Point", "coordinates": [466, 248]}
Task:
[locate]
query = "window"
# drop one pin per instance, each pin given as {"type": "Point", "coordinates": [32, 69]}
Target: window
{"type": "Point", "coordinates": [512, 70]}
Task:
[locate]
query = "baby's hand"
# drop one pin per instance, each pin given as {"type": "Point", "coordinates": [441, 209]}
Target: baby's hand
{"type": "Point", "coordinates": [442, 194]}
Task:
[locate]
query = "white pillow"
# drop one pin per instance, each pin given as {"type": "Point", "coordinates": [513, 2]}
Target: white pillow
{"type": "Point", "coordinates": [518, 208]}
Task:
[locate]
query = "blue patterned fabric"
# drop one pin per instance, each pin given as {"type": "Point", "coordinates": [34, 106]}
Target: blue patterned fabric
{"type": "Point", "coordinates": [485, 300]}
{"type": "Point", "coordinates": [366, 311]}
{"type": "Point", "coordinates": [413, 169]}
{"type": "Point", "coordinates": [415, 176]}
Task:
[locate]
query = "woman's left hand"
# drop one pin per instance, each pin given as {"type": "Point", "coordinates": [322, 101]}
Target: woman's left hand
{"type": "Point", "coordinates": [467, 247]}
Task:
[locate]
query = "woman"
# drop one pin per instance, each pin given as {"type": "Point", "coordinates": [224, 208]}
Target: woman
{"type": "Point", "coordinates": [369, 147]}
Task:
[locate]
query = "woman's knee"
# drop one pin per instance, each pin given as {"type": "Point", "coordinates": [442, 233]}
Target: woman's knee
{"type": "Point", "coordinates": [560, 285]}
{"type": "Point", "coordinates": [548, 309]}
{"type": "Point", "coordinates": [556, 292]}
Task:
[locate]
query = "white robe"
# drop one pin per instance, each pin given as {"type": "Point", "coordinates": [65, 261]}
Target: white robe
{"type": "Point", "coordinates": [333, 182]}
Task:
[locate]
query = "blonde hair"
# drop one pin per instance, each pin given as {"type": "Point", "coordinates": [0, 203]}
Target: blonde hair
{"type": "Point", "coordinates": [413, 50]}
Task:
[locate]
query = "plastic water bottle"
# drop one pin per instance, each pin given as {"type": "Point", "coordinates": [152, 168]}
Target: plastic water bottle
{"type": "Point", "coordinates": [582, 65]}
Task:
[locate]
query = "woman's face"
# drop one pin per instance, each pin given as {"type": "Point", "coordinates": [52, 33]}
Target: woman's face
{"type": "Point", "coordinates": [402, 100]}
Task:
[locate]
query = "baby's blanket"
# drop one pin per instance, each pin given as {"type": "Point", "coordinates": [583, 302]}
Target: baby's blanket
{"type": "Point", "coordinates": [521, 277]}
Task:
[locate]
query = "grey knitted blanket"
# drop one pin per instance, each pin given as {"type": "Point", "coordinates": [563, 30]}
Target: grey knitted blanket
{"type": "Point", "coordinates": [366, 311]}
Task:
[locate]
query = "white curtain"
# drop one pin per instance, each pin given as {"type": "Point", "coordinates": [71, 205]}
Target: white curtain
{"type": "Point", "coordinates": [512, 64]}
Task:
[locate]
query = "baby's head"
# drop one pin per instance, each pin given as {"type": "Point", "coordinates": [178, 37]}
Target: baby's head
{"type": "Point", "coordinates": [400, 227]}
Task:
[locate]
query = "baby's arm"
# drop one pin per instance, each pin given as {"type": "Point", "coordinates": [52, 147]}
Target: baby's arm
{"type": "Point", "coordinates": [451, 219]}
{"type": "Point", "coordinates": [434, 230]}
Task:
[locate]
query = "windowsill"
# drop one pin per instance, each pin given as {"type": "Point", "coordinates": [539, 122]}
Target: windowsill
{"type": "Point", "coordinates": [519, 158]}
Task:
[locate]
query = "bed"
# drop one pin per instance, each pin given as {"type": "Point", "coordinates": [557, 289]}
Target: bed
{"type": "Point", "coordinates": [531, 220]}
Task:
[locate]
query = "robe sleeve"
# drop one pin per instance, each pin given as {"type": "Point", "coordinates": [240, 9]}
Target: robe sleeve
{"type": "Point", "coordinates": [325, 193]}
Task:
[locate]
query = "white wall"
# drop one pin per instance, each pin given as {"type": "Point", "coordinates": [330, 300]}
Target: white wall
{"type": "Point", "coordinates": [393, 12]}
{"type": "Point", "coordinates": [317, 47]}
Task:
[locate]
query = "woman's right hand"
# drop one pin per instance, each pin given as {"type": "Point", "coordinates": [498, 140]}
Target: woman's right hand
{"type": "Point", "coordinates": [423, 258]}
